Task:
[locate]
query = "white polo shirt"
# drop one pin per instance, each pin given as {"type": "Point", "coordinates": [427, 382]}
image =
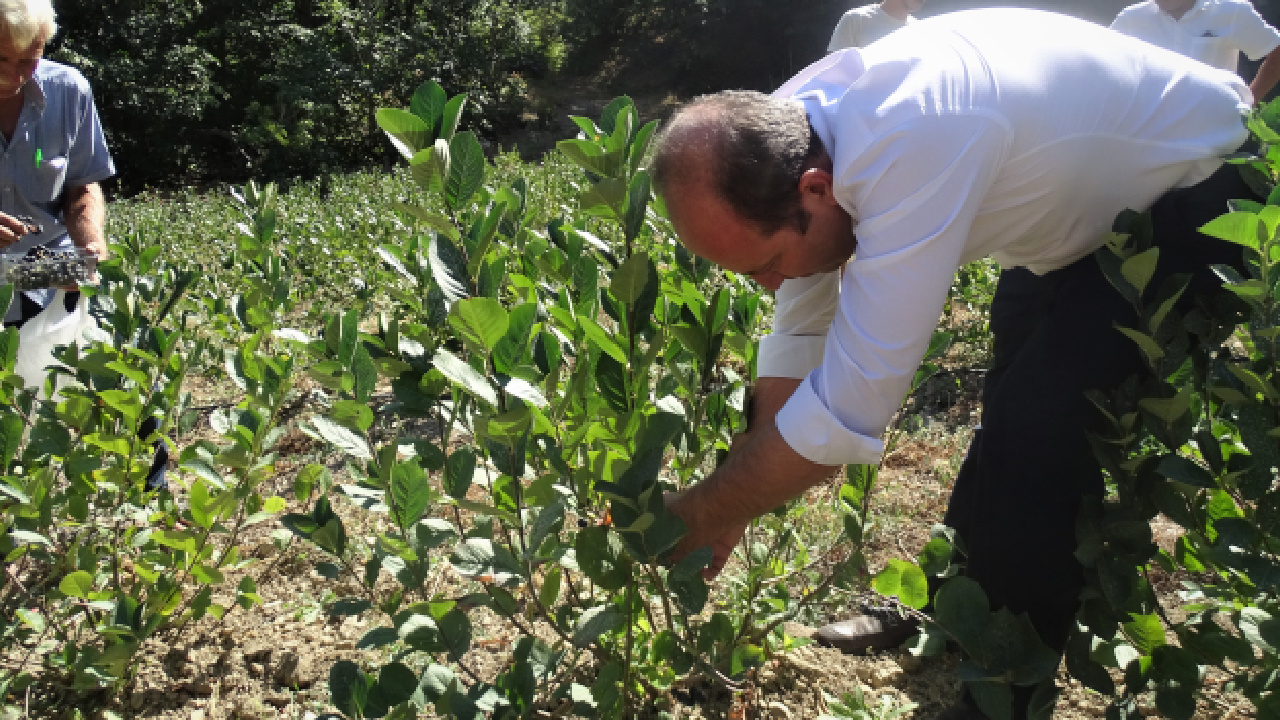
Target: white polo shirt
{"type": "Point", "coordinates": [864, 25]}
{"type": "Point", "coordinates": [1212, 31]}
{"type": "Point", "coordinates": [1013, 133]}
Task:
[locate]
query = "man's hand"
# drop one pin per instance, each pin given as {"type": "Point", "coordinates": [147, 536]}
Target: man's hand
{"type": "Point", "coordinates": [12, 229]}
{"type": "Point", "coordinates": [760, 473]}
{"type": "Point", "coordinates": [721, 540]}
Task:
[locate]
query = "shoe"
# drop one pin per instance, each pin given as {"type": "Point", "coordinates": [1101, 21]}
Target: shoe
{"type": "Point", "coordinates": [877, 628]}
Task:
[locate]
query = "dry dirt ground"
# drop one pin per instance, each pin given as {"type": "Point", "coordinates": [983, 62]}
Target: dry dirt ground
{"type": "Point", "coordinates": [273, 662]}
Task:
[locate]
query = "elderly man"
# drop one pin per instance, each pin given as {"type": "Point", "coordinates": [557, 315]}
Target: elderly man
{"type": "Point", "coordinates": [54, 153]}
{"type": "Point", "coordinates": [1211, 31]}
{"type": "Point", "coordinates": [1011, 133]}
{"type": "Point", "coordinates": [864, 25]}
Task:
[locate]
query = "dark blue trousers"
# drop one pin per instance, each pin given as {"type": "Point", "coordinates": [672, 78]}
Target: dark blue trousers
{"type": "Point", "coordinates": [1019, 490]}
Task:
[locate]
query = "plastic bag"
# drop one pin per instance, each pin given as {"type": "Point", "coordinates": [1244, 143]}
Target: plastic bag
{"type": "Point", "coordinates": [38, 337]}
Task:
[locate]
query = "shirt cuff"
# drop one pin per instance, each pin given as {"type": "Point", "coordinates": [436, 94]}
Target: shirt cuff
{"type": "Point", "coordinates": [811, 430]}
{"type": "Point", "coordinates": [789, 356]}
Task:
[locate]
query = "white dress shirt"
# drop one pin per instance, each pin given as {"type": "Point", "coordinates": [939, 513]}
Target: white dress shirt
{"type": "Point", "coordinates": [1212, 31]}
{"type": "Point", "coordinates": [864, 25]}
{"type": "Point", "coordinates": [1012, 133]}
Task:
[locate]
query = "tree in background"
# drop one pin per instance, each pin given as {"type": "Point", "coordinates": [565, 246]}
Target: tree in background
{"type": "Point", "coordinates": [192, 91]}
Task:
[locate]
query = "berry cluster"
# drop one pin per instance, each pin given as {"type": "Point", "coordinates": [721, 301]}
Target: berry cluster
{"type": "Point", "coordinates": [44, 268]}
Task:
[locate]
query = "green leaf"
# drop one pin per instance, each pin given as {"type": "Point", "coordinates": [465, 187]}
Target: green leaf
{"type": "Point", "coordinates": [78, 585]}
{"type": "Point", "coordinates": [686, 582]}
{"type": "Point", "coordinates": [428, 103]}
{"type": "Point", "coordinates": [448, 268]}
{"type": "Point", "coordinates": [962, 609]}
{"type": "Point", "coordinates": [935, 556]}
{"type": "Point", "coordinates": [994, 699]}
{"type": "Point", "coordinates": [602, 339]}
{"type": "Point", "coordinates": [483, 560]}
{"type": "Point", "coordinates": [604, 198]}
{"type": "Point", "coordinates": [1146, 632]}
{"type": "Point", "coordinates": [905, 581]}
{"type": "Point", "coordinates": [331, 536]}
{"type": "Point", "coordinates": [304, 484]}
{"type": "Point", "coordinates": [611, 379]}
{"type": "Point", "coordinates": [411, 492]}
{"type": "Point", "coordinates": [408, 132]}
{"type": "Point", "coordinates": [352, 414]}
{"type": "Point", "coordinates": [451, 116]}
{"type": "Point", "coordinates": [1185, 471]}
{"type": "Point", "coordinates": [595, 622]}
{"type": "Point", "coordinates": [429, 168]}
{"type": "Point", "coordinates": [465, 376]}
{"type": "Point", "coordinates": [630, 278]}
{"type": "Point", "coordinates": [1139, 268]}
{"type": "Point", "coordinates": [349, 688]}
{"type": "Point", "coordinates": [396, 684]}
{"type": "Point", "coordinates": [693, 338]}
{"type": "Point", "coordinates": [459, 470]}
{"type": "Point", "coordinates": [435, 221]}
{"type": "Point", "coordinates": [12, 428]}
{"type": "Point", "coordinates": [466, 170]}
{"type": "Point", "coordinates": [1149, 347]}
{"type": "Point", "coordinates": [481, 322]}
{"type": "Point", "coordinates": [1242, 228]}
{"type": "Point", "coordinates": [637, 204]}
{"type": "Point", "coordinates": [1261, 629]}
{"type": "Point", "coordinates": [342, 438]}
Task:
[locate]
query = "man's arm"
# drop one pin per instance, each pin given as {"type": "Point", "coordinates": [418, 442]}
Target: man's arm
{"type": "Point", "coordinates": [1268, 75]}
{"type": "Point", "coordinates": [85, 214]}
{"type": "Point", "coordinates": [760, 473]}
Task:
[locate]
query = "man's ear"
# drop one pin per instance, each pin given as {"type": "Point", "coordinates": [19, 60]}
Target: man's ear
{"type": "Point", "coordinates": [818, 183]}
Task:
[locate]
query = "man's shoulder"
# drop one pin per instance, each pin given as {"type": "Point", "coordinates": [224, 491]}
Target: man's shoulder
{"type": "Point", "coordinates": [1229, 6]}
{"type": "Point", "coordinates": [862, 12]}
{"type": "Point", "coordinates": [1138, 10]}
{"type": "Point", "coordinates": [52, 74]}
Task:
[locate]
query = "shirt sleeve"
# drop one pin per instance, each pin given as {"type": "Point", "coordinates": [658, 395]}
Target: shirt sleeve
{"type": "Point", "coordinates": [802, 313]}
{"type": "Point", "coordinates": [88, 160]}
{"type": "Point", "coordinates": [845, 35]}
{"type": "Point", "coordinates": [917, 192]}
{"type": "Point", "coordinates": [1124, 23]}
{"type": "Point", "coordinates": [1252, 34]}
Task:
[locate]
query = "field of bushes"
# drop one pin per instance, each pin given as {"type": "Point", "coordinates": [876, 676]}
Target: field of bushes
{"type": "Point", "coordinates": [422, 421]}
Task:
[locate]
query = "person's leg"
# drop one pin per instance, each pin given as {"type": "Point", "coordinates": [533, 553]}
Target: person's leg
{"type": "Point", "coordinates": [1019, 491]}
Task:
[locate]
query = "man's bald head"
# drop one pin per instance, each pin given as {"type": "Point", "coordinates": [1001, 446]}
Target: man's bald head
{"type": "Point", "coordinates": [749, 148]}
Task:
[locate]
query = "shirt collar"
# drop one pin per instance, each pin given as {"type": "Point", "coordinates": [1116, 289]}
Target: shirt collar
{"type": "Point", "coordinates": [1198, 7]}
{"type": "Point", "coordinates": [33, 91]}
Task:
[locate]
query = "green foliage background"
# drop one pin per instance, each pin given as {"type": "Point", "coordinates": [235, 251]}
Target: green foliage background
{"type": "Point", "coordinates": [197, 92]}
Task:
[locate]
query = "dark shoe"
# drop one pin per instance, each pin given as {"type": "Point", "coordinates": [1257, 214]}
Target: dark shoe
{"type": "Point", "coordinates": [876, 628]}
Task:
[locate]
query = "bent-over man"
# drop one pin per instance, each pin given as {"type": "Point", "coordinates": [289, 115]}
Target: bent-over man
{"type": "Point", "coordinates": [1009, 133]}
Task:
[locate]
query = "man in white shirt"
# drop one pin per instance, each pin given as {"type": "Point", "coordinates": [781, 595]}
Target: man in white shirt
{"type": "Point", "coordinates": [864, 25]}
{"type": "Point", "coordinates": [1214, 32]}
{"type": "Point", "coordinates": [859, 188]}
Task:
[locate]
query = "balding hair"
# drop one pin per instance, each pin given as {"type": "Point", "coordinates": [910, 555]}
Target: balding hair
{"type": "Point", "coordinates": [750, 148]}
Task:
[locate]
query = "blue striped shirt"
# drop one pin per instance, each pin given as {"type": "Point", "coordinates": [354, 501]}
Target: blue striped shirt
{"type": "Point", "coordinates": [58, 144]}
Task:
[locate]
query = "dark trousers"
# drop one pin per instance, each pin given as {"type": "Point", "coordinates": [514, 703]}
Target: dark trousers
{"type": "Point", "coordinates": [1019, 490]}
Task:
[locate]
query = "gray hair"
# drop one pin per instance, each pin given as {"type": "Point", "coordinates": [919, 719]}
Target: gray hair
{"type": "Point", "coordinates": [755, 148]}
{"type": "Point", "coordinates": [26, 21]}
